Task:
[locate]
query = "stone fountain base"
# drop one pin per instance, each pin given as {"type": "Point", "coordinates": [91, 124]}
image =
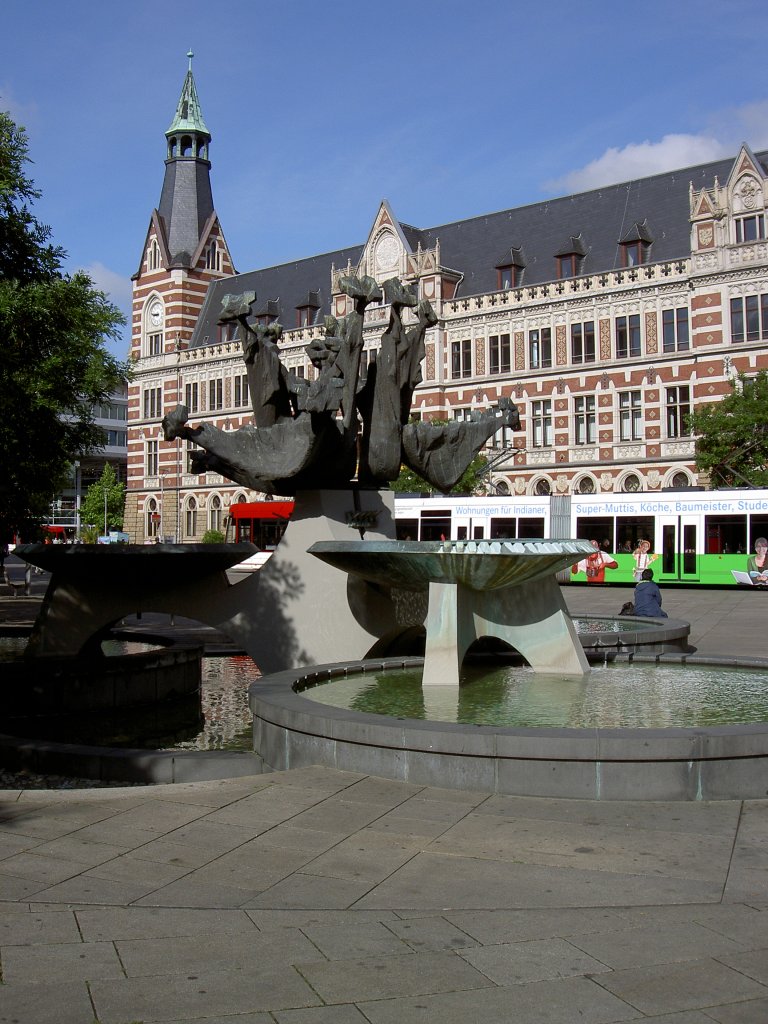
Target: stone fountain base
{"type": "Point", "coordinates": [712, 763]}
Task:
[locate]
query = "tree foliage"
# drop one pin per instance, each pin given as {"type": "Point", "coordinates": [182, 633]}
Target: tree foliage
{"type": "Point", "coordinates": [732, 446]}
{"type": "Point", "coordinates": [92, 508]}
{"type": "Point", "coordinates": [54, 366]}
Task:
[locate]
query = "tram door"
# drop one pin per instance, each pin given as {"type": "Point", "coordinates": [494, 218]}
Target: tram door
{"type": "Point", "coordinates": [679, 549]}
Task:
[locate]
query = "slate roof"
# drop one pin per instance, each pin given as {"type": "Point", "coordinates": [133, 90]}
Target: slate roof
{"type": "Point", "coordinates": [599, 219]}
{"type": "Point", "coordinates": [186, 203]}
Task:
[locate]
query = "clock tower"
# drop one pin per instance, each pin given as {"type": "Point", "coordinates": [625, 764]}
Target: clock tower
{"type": "Point", "coordinates": [184, 251]}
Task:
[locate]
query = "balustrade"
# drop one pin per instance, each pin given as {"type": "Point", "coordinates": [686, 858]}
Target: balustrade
{"type": "Point", "coordinates": [551, 291]}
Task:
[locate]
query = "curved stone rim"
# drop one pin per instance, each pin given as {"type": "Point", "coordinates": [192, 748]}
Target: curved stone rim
{"type": "Point", "coordinates": [691, 763]}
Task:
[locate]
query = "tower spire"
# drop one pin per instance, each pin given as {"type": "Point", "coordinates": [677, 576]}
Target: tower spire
{"type": "Point", "coordinates": [189, 116]}
{"type": "Point", "coordinates": [186, 202]}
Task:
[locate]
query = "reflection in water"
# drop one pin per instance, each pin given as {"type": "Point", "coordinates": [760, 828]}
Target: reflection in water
{"type": "Point", "coordinates": [226, 713]}
{"type": "Point", "coordinates": [220, 721]}
{"type": "Point", "coordinates": [616, 696]}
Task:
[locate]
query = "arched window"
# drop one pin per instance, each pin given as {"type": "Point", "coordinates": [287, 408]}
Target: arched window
{"type": "Point", "coordinates": [212, 257]}
{"type": "Point", "coordinates": [502, 487]}
{"type": "Point", "coordinates": [586, 485]}
{"type": "Point", "coordinates": [631, 483]}
{"type": "Point", "coordinates": [214, 513]}
{"type": "Point", "coordinates": [153, 256]}
{"type": "Point", "coordinates": [681, 480]}
{"type": "Point", "coordinates": [542, 487]}
{"type": "Point", "coordinates": [190, 518]}
{"type": "Point", "coordinates": [186, 146]}
{"type": "Point", "coordinates": [152, 513]}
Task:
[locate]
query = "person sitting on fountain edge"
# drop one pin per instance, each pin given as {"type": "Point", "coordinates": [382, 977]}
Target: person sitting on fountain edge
{"type": "Point", "coordinates": [648, 597]}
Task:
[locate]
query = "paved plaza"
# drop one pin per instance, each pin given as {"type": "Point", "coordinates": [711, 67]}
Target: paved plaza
{"type": "Point", "coordinates": [323, 897]}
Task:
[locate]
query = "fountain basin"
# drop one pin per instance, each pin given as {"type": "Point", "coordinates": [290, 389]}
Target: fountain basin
{"type": "Point", "coordinates": [478, 565]}
{"type": "Point", "coordinates": [703, 763]}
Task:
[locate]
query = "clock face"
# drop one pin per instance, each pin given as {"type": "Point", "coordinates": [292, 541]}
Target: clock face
{"type": "Point", "coordinates": [156, 314]}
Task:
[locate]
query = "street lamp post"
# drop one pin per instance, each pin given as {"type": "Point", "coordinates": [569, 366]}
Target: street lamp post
{"type": "Point", "coordinates": [162, 506]}
{"type": "Point", "coordinates": [78, 482]}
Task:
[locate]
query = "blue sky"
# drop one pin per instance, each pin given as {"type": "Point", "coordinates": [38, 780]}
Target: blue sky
{"type": "Point", "coordinates": [321, 108]}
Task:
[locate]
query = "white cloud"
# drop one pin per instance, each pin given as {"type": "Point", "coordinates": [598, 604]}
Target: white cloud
{"type": "Point", "coordinates": [117, 287]}
{"type": "Point", "coordinates": [21, 113]}
{"type": "Point", "coordinates": [118, 290]}
{"type": "Point", "coordinates": [722, 136]}
{"type": "Point", "coordinates": [640, 159]}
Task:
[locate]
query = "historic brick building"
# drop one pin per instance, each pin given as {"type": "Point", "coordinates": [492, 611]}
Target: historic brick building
{"type": "Point", "coordinates": [607, 316]}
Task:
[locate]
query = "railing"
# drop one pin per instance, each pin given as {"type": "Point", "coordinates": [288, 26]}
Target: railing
{"type": "Point", "coordinates": [553, 291]}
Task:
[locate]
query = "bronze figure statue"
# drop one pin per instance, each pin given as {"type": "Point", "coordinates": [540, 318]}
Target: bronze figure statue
{"type": "Point", "coordinates": [325, 432]}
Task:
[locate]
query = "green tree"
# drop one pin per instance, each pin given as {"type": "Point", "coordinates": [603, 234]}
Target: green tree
{"type": "Point", "coordinates": [54, 366]}
{"type": "Point", "coordinates": [92, 508]}
{"type": "Point", "coordinates": [732, 442]}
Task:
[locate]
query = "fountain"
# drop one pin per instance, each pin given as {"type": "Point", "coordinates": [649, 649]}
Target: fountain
{"type": "Point", "coordinates": [330, 601]}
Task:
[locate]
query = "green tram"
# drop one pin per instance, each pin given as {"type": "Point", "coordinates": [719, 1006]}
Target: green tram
{"type": "Point", "coordinates": [695, 537]}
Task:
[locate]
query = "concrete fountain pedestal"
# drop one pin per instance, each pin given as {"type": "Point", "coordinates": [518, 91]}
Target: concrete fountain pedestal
{"type": "Point", "coordinates": [502, 589]}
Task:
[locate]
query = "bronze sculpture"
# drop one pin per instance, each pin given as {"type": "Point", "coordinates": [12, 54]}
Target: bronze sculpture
{"type": "Point", "coordinates": [322, 433]}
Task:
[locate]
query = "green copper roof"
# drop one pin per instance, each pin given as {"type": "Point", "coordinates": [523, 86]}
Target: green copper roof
{"type": "Point", "coordinates": [189, 116]}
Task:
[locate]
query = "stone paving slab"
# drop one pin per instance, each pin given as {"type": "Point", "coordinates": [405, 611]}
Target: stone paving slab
{"type": "Point", "coordinates": [669, 988]}
{"type": "Point", "coordinates": [434, 881]}
{"type": "Point", "coordinates": [293, 902]}
{"type": "Point", "coordinates": [547, 1002]}
{"type": "Point", "coordinates": [175, 997]}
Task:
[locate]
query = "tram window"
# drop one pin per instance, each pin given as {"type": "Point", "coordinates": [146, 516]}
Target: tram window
{"type": "Point", "coordinates": [726, 535]}
{"type": "Point", "coordinates": [634, 529]}
{"type": "Point", "coordinates": [689, 549]}
{"type": "Point", "coordinates": [269, 533]}
{"type": "Point", "coordinates": [435, 524]}
{"type": "Point", "coordinates": [668, 533]}
{"type": "Point", "coordinates": [530, 527]}
{"type": "Point", "coordinates": [758, 527]}
{"type": "Point", "coordinates": [407, 529]}
{"type": "Point", "coordinates": [595, 528]}
{"type": "Point", "coordinates": [501, 529]}
{"type": "Point", "coordinates": [243, 527]}
{"type": "Point", "coordinates": [478, 532]}
{"type": "Point", "coordinates": [434, 528]}
{"type": "Point", "coordinates": [461, 533]}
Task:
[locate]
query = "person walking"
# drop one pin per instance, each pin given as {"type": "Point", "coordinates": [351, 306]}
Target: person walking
{"type": "Point", "coordinates": [648, 597]}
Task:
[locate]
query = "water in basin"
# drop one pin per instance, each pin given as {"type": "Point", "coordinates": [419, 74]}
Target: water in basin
{"type": "Point", "coordinates": [612, 696]}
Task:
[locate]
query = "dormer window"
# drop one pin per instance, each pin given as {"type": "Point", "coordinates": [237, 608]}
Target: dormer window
{"type": "Point", "coordinates": [509, 269]}
{"type": "Point", "coordinates": [267, 313]}
{"type": "Point", "coordinates": [750, 229]}
{"type": "Point", "coordinates": [635, 253]}
{"type": "Point", "coordinates": [306, 312]}
{"type": "Point", "coordinates": [567, 266]}
{"type": "Point", "coordinates": [635, 245]}
{"type": "Point", "coordinates": [569, 258]}
{"type": "Point", "coordinates": [508, 277]}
